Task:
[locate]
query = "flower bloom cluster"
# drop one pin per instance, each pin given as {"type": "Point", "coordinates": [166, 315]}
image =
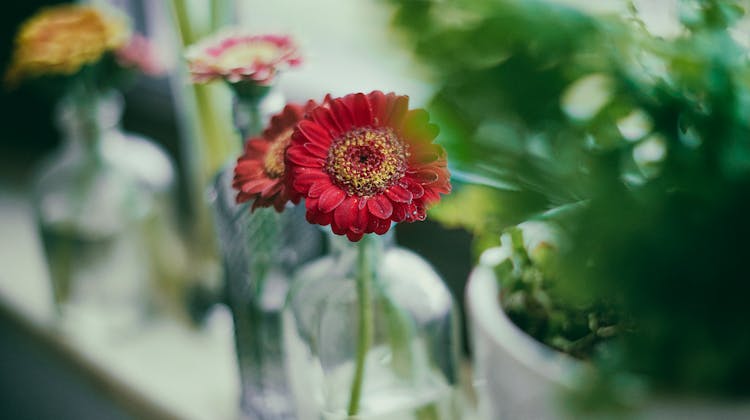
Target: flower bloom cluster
{"type": "Point", "coordinates": [60, 40]}
{"type": "Point", "coordinates": [361, 162]}
{"type": "Point", "coordinates": [236, 57]}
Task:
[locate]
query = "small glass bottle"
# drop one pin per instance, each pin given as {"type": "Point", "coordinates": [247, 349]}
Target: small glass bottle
{"type": "Point", "coordinates": [371, 333]}
{"type": "Point", "coordinates": [260, 251]}
{"type": "Point", "coordinates": [103, 204]}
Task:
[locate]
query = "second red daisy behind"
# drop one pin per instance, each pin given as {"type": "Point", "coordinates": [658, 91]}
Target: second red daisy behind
{"type": "Point", "coordinates": [364, 161]}
{"type": "Point", "coordinates": [260, 173]}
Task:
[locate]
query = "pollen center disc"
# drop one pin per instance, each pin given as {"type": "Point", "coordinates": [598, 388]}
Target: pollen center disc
{"type": "Point", "coordinates": [366, 161]}
{"type": "Point", "coordinates": [273, 164]}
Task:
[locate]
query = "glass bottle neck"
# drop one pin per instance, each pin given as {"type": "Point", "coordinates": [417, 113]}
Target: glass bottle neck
{"type": "Point", "coordinates": [247, 118]}
{"type": "Point", "coordinates": [85, 117]}
{"type": "Point", "coordinates": [247, 109]}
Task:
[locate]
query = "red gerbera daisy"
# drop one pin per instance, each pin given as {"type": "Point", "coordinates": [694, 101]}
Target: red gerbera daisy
{"type": "Point", "coordinates": [364, 161]}
{"type": "Point", "coordinates": [259, 173]}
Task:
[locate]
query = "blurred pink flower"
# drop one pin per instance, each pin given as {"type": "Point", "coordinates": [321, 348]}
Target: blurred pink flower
{"type": "Point", "coordinates": [139, 53]}
{"type": "Point", "coordinates": [238, 57]}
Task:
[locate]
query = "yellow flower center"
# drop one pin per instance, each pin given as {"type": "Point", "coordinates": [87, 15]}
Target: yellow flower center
{"type": "Point", "coordinates": [366, 161]}
{"type": "Point", "coordinates": [273, 164]}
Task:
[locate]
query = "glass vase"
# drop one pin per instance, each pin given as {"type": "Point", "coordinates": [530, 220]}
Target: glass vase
{"type": "Point", "coordinates": [103, 203]}
{"type": "Point", "coordinates": [260, 250]}
{"type": "Point", "coordinates": [371, 333]}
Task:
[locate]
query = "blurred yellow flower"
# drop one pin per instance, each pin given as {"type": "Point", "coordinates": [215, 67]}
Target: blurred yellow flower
{"type": "Point", "coordinates": [60, 40]}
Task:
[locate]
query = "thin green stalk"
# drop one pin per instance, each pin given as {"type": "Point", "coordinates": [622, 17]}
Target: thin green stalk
{"type": "Point", "coordinates": [366, 320]}
{"type": "Point", "coordinates": [256, 124]}
{"type": "Point", "coordinates": [263, 224]}
{"type": "Point", "coordinates": [180, 11]}
{"type": "Point", "coordinates": [222, 13]}
{"type": "Point", "coordinates": [206, 145]}
{"type": "Point", "coordinates": [215, 132]}
{"type": "Point", "coordinates": [263, 245]}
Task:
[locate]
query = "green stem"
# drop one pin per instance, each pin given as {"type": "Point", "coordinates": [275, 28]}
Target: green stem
{"type": "Point", "coordinates": [264, 225]}
{"type": "Point", "coordinates": [366, 321]}
{"type": "Point", "coordinates": [206, 148]}
{"type": "Point", "coordinates": [222, 14]}
{"type": "Point", "coordinates": [247, 119]}
{"type": "Point", "coordinates": [256, 125]}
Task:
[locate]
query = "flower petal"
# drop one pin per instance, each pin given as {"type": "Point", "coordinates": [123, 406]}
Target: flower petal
{"type": "Point", "coordinates": [303, 178]}
{"type": "Point", "coordinates": [417, 191]}
{"type": "Point", "coordinates": [248, 166]}
{"type": "Point", "coordinates": [272, 188]}
{"type": "Point", "coordinates": [411, 212]}
{"type": "Point", "coordinates": [421, 213]}
{"type": "Point", "coordinates": [399, 194]}
{"type": "Point", "coordinates": [254, 186]}
{"type": "Point", "coordinates": [353, 236]}
{"type": "Point", "coordinates": [430, 196]}
{"type": "Point", "coordinates": [299, 156]}
{"type": "Point", "coordinates": [361, 109]}
{"type": "Point", "coordinates": [343, 115]}
{"type": "Point", "coordinates": [416, 212]}
{"type": "Point", "coordinates": [399, 212]}
{"type": "Point", "coordinates": [397, 111]}
{"type": "Point", "coordinates": [380, 207]}
{"type": "Point", "coordinates": [382, 226]}
{"type": "Point", "coordinates": [311, 204]}
{"type": "Point", "coordinates": [319, 188]}
{"type": "Point", "coordinates": [379, 106]}
{"type": "Point", "coordinates": [323, 116]}
{"type": "Point", "coordinates": [426, 153]}
{"type": "Point", "coordinates": [323, 219]}
{"type": "Point", "coordinates": [314, 133]}
{"type": "Point", "coordinates": [330, 199]}
{"type": "Point", "coordinates": [315, 216]}
{"type": "Point", "coordinates": [361, 220]}
{"type": "Point", "coordinates": [316, 149]}
{"type": "Point", "coordinates": [338, 230]}
{"type": "Point", "coordinates": [426, 176]}
{"type": "Point", "coordinates": [346, 213]}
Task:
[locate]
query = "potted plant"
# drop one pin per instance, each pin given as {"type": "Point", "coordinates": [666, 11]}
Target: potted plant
{"type": "Point", "coordinates": [632, 152]}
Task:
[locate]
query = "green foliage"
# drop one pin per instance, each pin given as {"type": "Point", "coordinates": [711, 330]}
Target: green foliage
{"type": "Point", "coordinates": [651, 135]}
{"type": "Point", "coordinates": [531, 298]}
{"type": "Point", "coordinates": [498, 102]}
{"type": "Point", "coordinates": [480, 209]}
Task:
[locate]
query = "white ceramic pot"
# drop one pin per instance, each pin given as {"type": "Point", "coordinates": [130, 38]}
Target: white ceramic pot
{"type": "Point", "coordinates": [515, 376]}
{"type": "Point", "coordinates": [519, 378]}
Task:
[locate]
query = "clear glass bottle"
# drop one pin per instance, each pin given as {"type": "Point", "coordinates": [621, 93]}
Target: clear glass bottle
{"type": "Point", "coordinates": [260, 251]}
{"type": "Point", "coordinates": [371, 333]}
{"type": "Point", "coordinates": [103, 204]}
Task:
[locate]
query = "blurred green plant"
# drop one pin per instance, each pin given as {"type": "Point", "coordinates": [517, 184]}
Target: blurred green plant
{"type": "Point", "coordinates": [650, 135]}
{"type": "Point", "coordinates": [530, 295]}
